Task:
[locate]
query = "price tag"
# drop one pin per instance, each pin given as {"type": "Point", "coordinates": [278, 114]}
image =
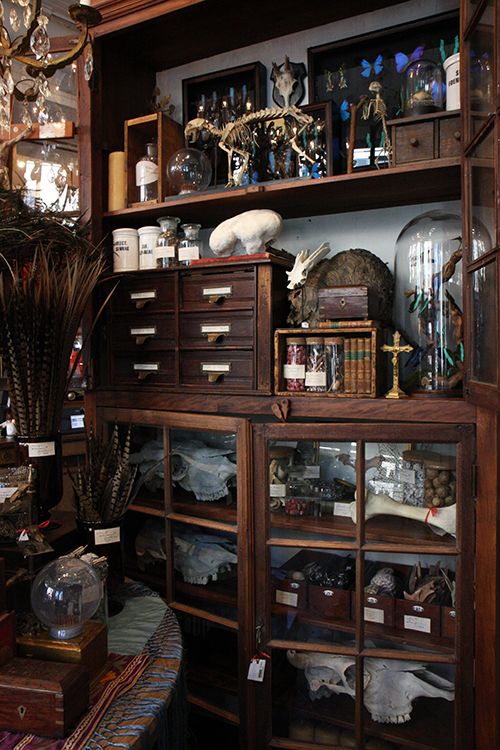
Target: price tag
{"type": "Point", "coordinates": [311, 472]}
{"type": "Point", "coordinates": [407, 475]}
{"type": "Point", "coordinates": [38, 450]}
{"type": "Point", "coordinates": [6, 492]}
{"type": "Point", "coordinates": [422, 624]}
{"type": "Point", "coordinates": [294, 372]}
{"type": "Point", "coordinates": [288, 598]}
{"type": "Point", "coordinates": [107, 536]}
{"type": "Point", "coordinates": [277, 490]}
{"type": "Point", "coordinates": [77, 421]}
{"type": "Point", "coordinates": [342, 509]}
{"type": "Point", "coordinates": [23, 536]}
{"type": "Point", "coordinates": [256, 670]}
{"type": "Point", "coordinates": [372, 614]}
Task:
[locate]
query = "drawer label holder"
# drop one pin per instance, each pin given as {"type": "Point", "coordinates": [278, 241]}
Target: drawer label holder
{"type": "Point", "coordinates": [144, 369]}
{"type": "Point", "coordinates": [141, 299]}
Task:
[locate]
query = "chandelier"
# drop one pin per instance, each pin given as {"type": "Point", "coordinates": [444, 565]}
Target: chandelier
{"type": "Point", "coordinates": [26, 62]}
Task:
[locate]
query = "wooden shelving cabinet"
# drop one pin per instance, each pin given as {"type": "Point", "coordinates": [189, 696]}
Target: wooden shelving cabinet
{"type": "Point", "coordinates": [227, 622]}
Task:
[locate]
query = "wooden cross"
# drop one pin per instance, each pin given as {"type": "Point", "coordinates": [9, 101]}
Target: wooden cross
{"type": "Point", "coordinates": [396, 350]}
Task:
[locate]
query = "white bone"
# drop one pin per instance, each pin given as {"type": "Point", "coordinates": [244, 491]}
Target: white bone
{"type": "Point", "coordinates": [440, 520]}
{"type": "Point", "coordinates": [250, 231]}
{"type": "Point", "coordinates": [304, 261]}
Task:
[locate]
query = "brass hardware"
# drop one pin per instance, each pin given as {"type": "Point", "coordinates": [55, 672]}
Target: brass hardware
{"type": "Point", "coordinates": [214, 377]}
{"type": "Point", "coordinates": [214, 338]}
{"type": "Point", "coordinates": [139, 340]}
{"type": "Point", "coordinates": [457, 135]}
{"type": "Point", "coordinates": [140, 304]}
{"type": "Point", "coordinates": [414, 141]}
{"type": "Point", "coordinates": [21, 710]}
{"type": "Point", "coordinates": [143, 375]}
{"type": "Point", "coordinates": [216, 299]}
{"type": "Point", "coordinates": [141, 299]}
{"type": "Point", "coordinates": [342, 302]}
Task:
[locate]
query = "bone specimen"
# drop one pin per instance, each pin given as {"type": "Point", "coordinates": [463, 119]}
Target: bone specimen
{"type": "Point", "coordinates": [250, 232]}
{"type": "Point", "coordinates": [440, 520]}
{"type": "Point", "coordinates": [202, 558]}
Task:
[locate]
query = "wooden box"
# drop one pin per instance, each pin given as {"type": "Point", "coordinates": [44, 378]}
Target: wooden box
{"type": "Point", "coordinates": [346, 303]}
{"type": "Point", "coordinates": [141, 130]}
{"type": "Point", "coordinates": [427, 137]}
{"type": "Point", "coordinates": [290, 593]}
{"type": "Point", "coordinates": [417, 617]}
{"type": "Point", "coordinates": [7, 636]}
{"type": "Point", "coordinates": [379, 610]}
{"type": "Point", "coordinates": [89, 650]}
{"type": "Point", "coordinates": [42, 697]}
{"type": "Point", "coordinates": [325, 602]}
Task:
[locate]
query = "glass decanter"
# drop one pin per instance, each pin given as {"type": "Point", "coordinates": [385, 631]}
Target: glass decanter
{"type": "Point", "coordinates": [146, 174]}
{"type": "Point", "coordinates": [190, 244]}
{"type": "Point", "coordinates": [167, 242]}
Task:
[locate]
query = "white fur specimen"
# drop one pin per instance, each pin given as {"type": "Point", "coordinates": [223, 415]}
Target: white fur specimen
{"type": "Point", "coordinates": [248, 232]}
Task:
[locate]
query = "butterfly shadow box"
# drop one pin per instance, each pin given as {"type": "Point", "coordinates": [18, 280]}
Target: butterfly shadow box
{"type": "Point", "coordinates": [341, 72]}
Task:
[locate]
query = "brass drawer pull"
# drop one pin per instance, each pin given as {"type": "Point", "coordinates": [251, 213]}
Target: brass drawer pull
{"type": "Point", "coordinates": [215, 371]}
{"type": "Point", "coordinates": [217, 295]}
{"type": "Point", "coordinates": [457, 135]}
{"type": "Point", "coordinates": [414, 141]}
{"type": "Point", "coordinates": [142, 334]}
{"type": "Point", "coordinates": [215, 333]}
{"type": "Point", "coordinates": [142, 299]}
{"type": "Point", "coordinates": [214, 338]}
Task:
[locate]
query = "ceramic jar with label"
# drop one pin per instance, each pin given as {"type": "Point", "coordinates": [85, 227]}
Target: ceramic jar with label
{"type": "Point", "coordinates": [452, 71]}
{"type": "Point", "coordinates": [167, 242]}
{"type": "Point", "coordinates": [316, 365]}
{"type": "Point", "coordinates": [148, 237]}
{"type": "Point", "coordinates": [146, 174]}
{"type": "Point", "coordinates": [125, 250]}
{"type": "Point", "coordinates": [294, 371]}
{"type": "Point", "coordinates": [190, 244]}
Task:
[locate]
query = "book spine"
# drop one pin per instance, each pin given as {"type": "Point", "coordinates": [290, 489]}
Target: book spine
{"type": "Point", "coordinates": [347, 366]}
{"type": "Point", "coordinates": [367, 360]}
{"type": "Point", "coordinates": [360, 367]}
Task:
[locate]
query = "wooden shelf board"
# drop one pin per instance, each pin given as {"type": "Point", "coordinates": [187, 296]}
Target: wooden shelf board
{"type": "Point", "coordinates": [222, 713]}
{"type": "Point", "coordinates": [416, 183]}
{"type": "Point", "coordinates": [148, 510]}
{"type": "Point", "coordinates": [219, 592]}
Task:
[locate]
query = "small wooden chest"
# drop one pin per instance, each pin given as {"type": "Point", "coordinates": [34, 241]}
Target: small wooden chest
{"type": "Point", "coordinates": [42, 697]}
{"type": "Point", "coordinates": [346, 303]}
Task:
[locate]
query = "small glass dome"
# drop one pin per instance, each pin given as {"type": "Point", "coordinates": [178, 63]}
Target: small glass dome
{"type": "Point", "coordinates": [65, 594]}
{"type": "Point", "coordinates": [188, 171]}
{"type": "Point", "coordinates": [423, 89]}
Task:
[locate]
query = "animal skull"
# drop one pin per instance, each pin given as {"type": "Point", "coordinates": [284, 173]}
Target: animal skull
{"type": "Point", "coordinates": [201, 558]}
{"type": "Point", "coordinates": [390, 687]}
{"type": "Point", "coordinates": [441, 520]}
{"type": "Point", "coordinates": [304, 261]}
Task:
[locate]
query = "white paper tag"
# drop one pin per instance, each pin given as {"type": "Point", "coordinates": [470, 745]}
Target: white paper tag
{"type": "Point", "coordinates": [372, 614]}
{"type": "Point", "coordinates": [256, 670]}
{"type": "Point", "coordinates": [143, 295]}
{"type": "Point", "coordinates": [38, 450]}
{"type": "Point", "coordinates": [422, 624]}
{"type": "Point", "coordinates": [165, 251]}
{"type": "Point", "coordinates": [407, 475]}
{"type": "Point", "coordinates": [342, 509]}
{"type": "Point", "coordinates": [23, 536]}
{"type": "Point", "coordinates": [107, 536]}
{"type": "Point", "coordinates": [277, 490]}
{"type": "Point", "coordinates": [52, 130]}
{"type": "Point", "coordinates": [77, 421]}
{"type": "Point", "coordinates": [288, 598]}
{"type": "Point", "coordinates": [146, 367]}
{"type": "Point", "coordinates": [189, 253]}
{"type": "Point", "coordinates": [316, 379]}
{"type": "Point", "coordinates": [221, 291]}
{"type": "Point", "coordinates": [294, 372]}
{"type": "Point", "coordinates": [215, 329]}
{"type": "Point", "coordinates": [143, 331]}
{"type": "Point", "coordinates": [6, 492]}
{"type": "Point", "coordinates": [220, 367]}
{"type": "Point", "coordinates": [311, 472]}
{"type": "Point", "coordinates": [145, 173]}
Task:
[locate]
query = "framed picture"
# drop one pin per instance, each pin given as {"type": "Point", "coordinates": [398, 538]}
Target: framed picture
{"type": "Point", "coordinates": [341, 72]}
{"type": "Point", "coordinates": [320, 138]}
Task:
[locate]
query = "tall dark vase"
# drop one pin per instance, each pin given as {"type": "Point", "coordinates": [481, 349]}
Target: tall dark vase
{"type": "Point", "coordinates": [45, 455]}
{"type": "Point", "coordinates": [105, 538]}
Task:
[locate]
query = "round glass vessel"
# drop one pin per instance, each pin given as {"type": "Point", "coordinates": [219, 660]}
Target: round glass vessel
{"type": "Point", "coordinates": [189, 171]}
{"type": "Point", "coordinates": [428, 305]}
{"type": "Point", "coordinates": [167, 242]}
{"type": "Point", "coordinates": [190, 244]}
{"type": "Point", "coordinates": [423, 90]}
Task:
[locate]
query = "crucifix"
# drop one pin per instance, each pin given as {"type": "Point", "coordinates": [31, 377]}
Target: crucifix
{"type": "Point", "coordinates": [396, 350]}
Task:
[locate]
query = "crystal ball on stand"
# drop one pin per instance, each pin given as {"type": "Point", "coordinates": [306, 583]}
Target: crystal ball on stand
{"type": "Point", "coordinates": [65, 594]}
{"type": "Point", "coordinates": [189, 171]}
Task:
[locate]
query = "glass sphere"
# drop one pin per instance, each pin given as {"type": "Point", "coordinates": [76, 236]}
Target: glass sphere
{"type": "Point", "coordinates": [189, 171]}
{"type": "Point", "coordinates": [65, 594]}
{"type": "Point", "coordinates": [423, 90]}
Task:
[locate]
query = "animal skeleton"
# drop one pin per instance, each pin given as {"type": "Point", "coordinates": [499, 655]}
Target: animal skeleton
{"type": "Point", "coordinates": [390, 687]}
{"type": "Point", "coordinates": [440, 520]}
{"type": "Point", "coordinates": [237, 137]}
{"type": "Point", "coordinates": [375, 108]}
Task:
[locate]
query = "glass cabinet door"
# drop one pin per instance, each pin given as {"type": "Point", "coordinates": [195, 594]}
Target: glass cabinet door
{"type": "Point", "coordinates": [364, 595]}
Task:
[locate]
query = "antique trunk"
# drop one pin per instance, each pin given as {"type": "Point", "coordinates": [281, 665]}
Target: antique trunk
{"type": "Point", "coordinates": [42, 697]}
{"type": "Point", "coordinates": [346, 303]}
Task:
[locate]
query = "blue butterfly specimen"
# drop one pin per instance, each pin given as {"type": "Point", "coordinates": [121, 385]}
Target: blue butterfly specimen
{"type": "Point", "coordinates": [344, 111]}
{"type": "Point", "coordinates": [376, 66]}
{"type": "Point", "coordinates": [403, 60]}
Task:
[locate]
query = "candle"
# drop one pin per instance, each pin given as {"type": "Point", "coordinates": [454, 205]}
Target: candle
{"type": "Point", "coordinates": [116, 181]}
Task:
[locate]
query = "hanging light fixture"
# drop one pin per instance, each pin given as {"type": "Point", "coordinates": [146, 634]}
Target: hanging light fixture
{"type": "Point", "coordinates": [24, 39]}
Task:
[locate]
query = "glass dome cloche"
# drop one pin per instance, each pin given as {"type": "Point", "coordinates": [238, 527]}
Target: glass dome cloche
{"type": "Point", "coordinates": [65, 594]}
{"type": "Point", "coordinates": [189, 171]}
{"type": "Point", "coordinates": [428, 302]}
{"type": "Point", "coordinates": [423, 89]}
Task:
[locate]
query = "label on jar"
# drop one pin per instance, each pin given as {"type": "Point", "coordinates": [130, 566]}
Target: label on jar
{"type": "Point", "coordinates": [372, 614]}
{"type": "Point", "coordinates": [189, 253]}
{"type": "Point", "coordinates": [145, 173]}
{"type": "Point", "coordinates": [221, 291]}
{"type": "Point", "coordinates": [422, 624]}
{"type": "Point", "coordinates": [143, 295]}
{"type": "Point", "coordinates": [342, 509]}
{"type": "Point", "coordinates": [311, 472]}
{"type": "Point", "coordinates": [316, 379]}
{"type": "Point", "coordinates": [407, 475]}
{"type": "Point", "coordinates": [107, 536]}
{"type": "Point", "coordinates": [277, 490]}
{"type": "Point", "coordinates": [39, 450]}
{"type": "Point", "coordinates": [294, 372]}
{"type": "Point", "coordinates": [288, 598]}
{"type": "Point", "coordinates": [146, 367]}
{"type": "Point", "coordinates": [165, 251]}
{"type": "Point", "coordinates": [77, 421]}
{"type": "Point", "coordinates": [6, 492]}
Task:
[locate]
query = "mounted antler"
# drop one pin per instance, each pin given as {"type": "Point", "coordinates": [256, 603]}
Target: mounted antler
{"type": "Point", "coordinates": [304, 261]}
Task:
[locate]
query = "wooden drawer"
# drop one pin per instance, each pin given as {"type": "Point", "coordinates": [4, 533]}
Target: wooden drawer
{"type": "Point", "coordinates": [234, 290]}
{"type": "Point", "coordinates": [379, 610]}
{"type": "Point", "coordinates": [290, 593]}
{"type": "Point", "coordinates": [450, 137]}
{"type": "Point", "coordinates": [328, 602]}
{"type": "Point", "coordinates": [217, 371]}
{"type": "Point", "coordinates": [417, 617]}
{"type": "Point", "coordinates": [414, 142]}
{"type": "Point", "coordinates": [142, 332]}
{"type": "Point", "coordinates": [146, 368]}
{"type": "Point", "coordinates": [152, 292]}
{"type": "Point", "coordinates": [217, 329]}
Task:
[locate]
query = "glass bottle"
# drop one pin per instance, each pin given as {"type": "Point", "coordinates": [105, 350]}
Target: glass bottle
{"type": "Point", "coordinates": [294, 370]}
{"type": "Point", "coordinates": [167, 242]}
{"type": "Point", "coordinates": [334, 349]}
{"type": "Point", "coordinates": [146, 174]}
{"type": "Point", "coordinates": [316, 365]}
{"type": "Point", "coordinates": [190, 244]}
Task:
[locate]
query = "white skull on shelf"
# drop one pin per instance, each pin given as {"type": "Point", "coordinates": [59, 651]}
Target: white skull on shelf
{"type": "Point", "coordinates": [390, 686]}
{"type": "Point", "coordinates": [202, 558]}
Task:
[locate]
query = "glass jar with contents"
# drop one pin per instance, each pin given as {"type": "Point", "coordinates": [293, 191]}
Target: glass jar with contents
{"type": "Point", "coordinates": [334, 350]}
{"type": "Point", "coordinates": [167, 242]}
{"type": "Point", "coordinates": [146, 174]}
{"type": "Point", "coordinates": [316, 365]}
{"type": "Point", "coordinates": [294, 371]}
{"type": "Point", "coordinates": [190, 244]}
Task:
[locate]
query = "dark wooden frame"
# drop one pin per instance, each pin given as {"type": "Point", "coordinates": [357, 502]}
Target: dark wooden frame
{"type": "Point", "coordinates": [323, 110]}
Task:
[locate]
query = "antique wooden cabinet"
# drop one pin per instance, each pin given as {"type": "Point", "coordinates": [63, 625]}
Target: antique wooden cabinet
{"type": "Point", "coordinates": [260, 607]}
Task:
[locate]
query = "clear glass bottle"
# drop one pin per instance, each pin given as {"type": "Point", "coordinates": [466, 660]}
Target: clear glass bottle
{"type": "Point", "coordinates": [316, 365]}
{"type": "Point", "coordinates": [423, 90]}
{"type": "Point", "coordinates": [167, 242]}
{"type": "Point", "coordinates": [334, 349]}
{"type": "Point", "coordinates": [190, 244]}
{"type": "Point", "coordinates": [146, 174]}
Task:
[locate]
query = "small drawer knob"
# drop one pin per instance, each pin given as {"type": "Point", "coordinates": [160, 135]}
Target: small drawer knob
{"type": "Point", "coordinates": [457, 135]}
{"type": "Point", "coordinates": [414, 141]}
{"type": "Point", "coordinates": [214, 377]}
{"type": "Point", "coordinates": [215, 338]}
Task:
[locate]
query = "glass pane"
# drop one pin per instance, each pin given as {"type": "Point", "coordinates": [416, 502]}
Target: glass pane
{"type": "Point", "coordinates": [410, 703]}
{"type": "Point", "coordinates": [145, 558]}
{"type": "Point", "coordinates": [147, 453]}
{"type": "Point", "coordinates": [409, 601]}
{"type": "Point", "coordinates": [204, 466]}
{"type": "Point", "coordinates": [313, 697]}
{"type": "Point", "coordinates": [484, 332]}
{"type": "Point", "coordinates": [206, 569]}
{"type": "Point", "coordinates": [211, 661]}
{"type": "Point", "coordinates": [311, 488]}
{"type": "Point", "coordinates": [410, 492]}
{"type": "Point", "coordinates": [311, 592]}
{"type": "Point", "coordinates": [481, 62]}
{"type": "Point", "coordinates": [482, 196]}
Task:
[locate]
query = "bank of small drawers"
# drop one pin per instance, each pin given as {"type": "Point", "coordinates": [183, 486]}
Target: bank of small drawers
{"type": "Point", "coordinates": [425, 138]}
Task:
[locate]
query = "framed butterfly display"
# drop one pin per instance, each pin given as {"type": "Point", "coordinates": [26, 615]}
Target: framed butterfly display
{"type": "Point", "coordinates": [344, 71]}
